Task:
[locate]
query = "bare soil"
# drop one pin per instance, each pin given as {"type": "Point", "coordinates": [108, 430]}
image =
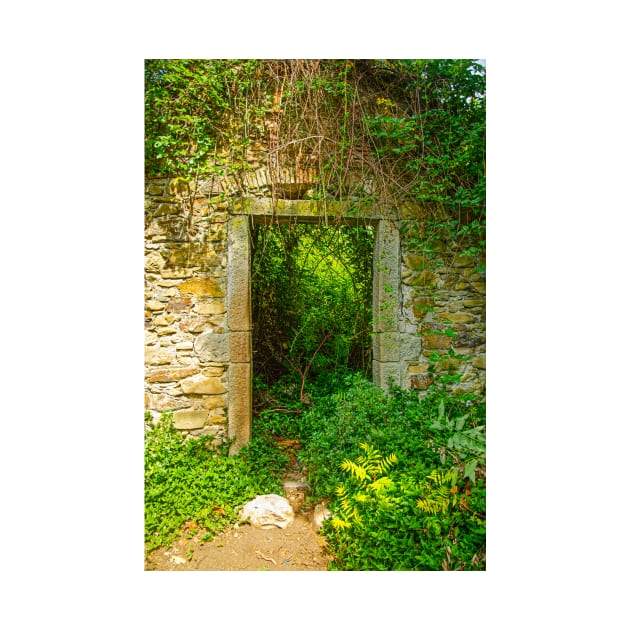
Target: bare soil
{"type": "Point", "coordinates": [246, 548]}
{"type": "Point", "coordinates": [298, 547]}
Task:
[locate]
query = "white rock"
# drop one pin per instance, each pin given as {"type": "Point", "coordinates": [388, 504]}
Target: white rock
{"type": "Point", "coordinates": [267, 511]}
{"type": "Point", "coordinates": [320, 514]}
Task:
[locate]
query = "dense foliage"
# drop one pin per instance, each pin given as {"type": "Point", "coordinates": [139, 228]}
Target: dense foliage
{"type": "Point", "coordinates": [327, 322]}
{"type": "Point", "coordinates": [188, 482]}
{"type": "Point", "coordinates": [387, 131]}
{"type": "Point", "coordinates": [404, 477]}
{"type": "Point", "coordinates": [437, 448]}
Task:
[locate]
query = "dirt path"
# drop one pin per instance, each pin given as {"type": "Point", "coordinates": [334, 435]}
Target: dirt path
{"type": "Point", "coordinates": [298, 547]}
{"type": "Point", "coordinates": [247, 548]}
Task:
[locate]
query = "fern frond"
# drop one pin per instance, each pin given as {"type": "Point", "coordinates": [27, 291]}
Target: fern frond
{"type": "Point", "coordinates": [443, 495]}
{"type": "Point", "coordinates": [441, 478]}
{"type": "Point", "coordinates": [356, 470]}
{"type": "Point", "coordinates": [371, 457]}
{"type": "Point", "coordinates": [386, 463]}
{"type": "Point", "coordinates": [380, 483]}
{"type": "Point", "coordinates": [338, 523]}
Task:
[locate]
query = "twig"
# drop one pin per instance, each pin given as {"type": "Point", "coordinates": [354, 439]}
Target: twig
{"type": "Point", "coordinates": [263, 557]}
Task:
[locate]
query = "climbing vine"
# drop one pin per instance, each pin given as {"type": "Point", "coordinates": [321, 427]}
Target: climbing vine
{"type": "Point", "coordinates": [406, 134]}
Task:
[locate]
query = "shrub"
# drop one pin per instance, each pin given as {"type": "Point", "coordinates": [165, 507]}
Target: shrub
{"type": "Point", "coordinates": [190, 481]}
{"type": "Point", "coordinates": [392, 521]}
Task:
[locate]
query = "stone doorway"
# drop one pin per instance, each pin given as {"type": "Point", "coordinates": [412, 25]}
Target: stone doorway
{"type": "Point", "coordinates": [386, 365]}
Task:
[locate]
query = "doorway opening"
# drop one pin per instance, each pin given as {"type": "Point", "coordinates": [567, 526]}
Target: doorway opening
{"type": "Point", "coordinates": [276, 343]}
{"type": "Point", "coordinates": [311, 297]}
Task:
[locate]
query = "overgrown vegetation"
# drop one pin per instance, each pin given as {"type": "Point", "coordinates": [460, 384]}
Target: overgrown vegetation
{"type": "Point", "coordinates": [389, 509]}
{"type": "Point", "coordinates": [385, 131]}
{"type": "Point", "coordinates": [327, 322]}
{"type": "Point", "coordinates": [404, 477]}
{"type": "Point", "coordinates": [190, 483]}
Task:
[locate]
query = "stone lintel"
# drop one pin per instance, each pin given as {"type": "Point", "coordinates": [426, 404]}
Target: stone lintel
{"type": "Point", "coordinates": [307, 211]}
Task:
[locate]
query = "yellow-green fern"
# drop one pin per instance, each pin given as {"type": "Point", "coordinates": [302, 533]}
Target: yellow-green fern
{"type": "Point", "coordinates": [368, 470]}
{"type": "Point", "coordinates": [441, 492]}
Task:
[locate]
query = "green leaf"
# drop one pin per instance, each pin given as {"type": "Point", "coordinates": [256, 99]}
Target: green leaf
{"type": "Point", "coordinates": [459, 422]}
{"type": "Point", "coordinates": [469, 469]}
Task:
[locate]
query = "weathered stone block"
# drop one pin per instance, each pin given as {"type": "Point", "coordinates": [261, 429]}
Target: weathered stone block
{"type": "Point", "coordinates": [216, 420]}
{"type": "Point", "coordinates": [193, 324]}
{"type": "Point", "coordinates": [178, 187]}
{"type": "Point", "coordinates": [474, 302]}
{"type": "Point", "coordinates": [240, 347]}
{"type": "Point", "coordinates": [193, 255]}
{"type": "Point", "coordinates": [154, 305]}
{"type": "Point", "coordinates": [173, 374]}
{"type": "Point", "coordinates": [164, 320]}
{"type": "Point", "coordinates": [175, 274]}
{"type": "Point", "coordinates": [158, 356]}
{"type": "Point", "coordinates": [189, 419]}
{"type": "Point", "coordinates": [164, 402]}
{"type": "Point", "coordinates": [436, 342]}
{"type": "Point", "coordinates": [422, 306]}
{"type": "Point", "coordinates": [179, 303]}
{"type": "Point", "coordinates": [417, 262]}
{"type": "Point", "coordinates": [240, 407]}
{"type": "Point", "coordinates": [410, 347]}
{"type": "Point", "coordinates": [422, 279]}
{"type": "Point", "coordinates": [479, 362]}
{"type": "Point", "coordinates": [386, 347]}
{"type": "Point", "coordinates": [210, 308]}
{"type": "Point", "coordinates": [463, 261]}
{"type": "Point", "coordinates": [153, 262]}
{"type": "Point", "coordinates": [214, 370]}
{"type": "Point", "coordinates": [421, 381]}
{"type": "Point", "coordinates": [212, 347]}
{"type": "Point", "coordinates": [384, 373]}
{"type": "Point", "coordinates": [448, 365]}
{"type": "Point", "coordinates": [468, 340]}
{"type": "Point", "coordinates": [165, 331]}
{"type": "Point", "coordinates": [213, 402]}
{"type": "Point", "coordinates": [200, 384]}
{"type": "Point", "coordinates": [417, 368]}
{"type": "Point", "coordinates": [456, 318]}
{"type": "Point", "coordinates": [165, 209]}
{"type": "Point", "coordinates": [202, 287]}
{"type": "Point", "coordinates": [155, 189]}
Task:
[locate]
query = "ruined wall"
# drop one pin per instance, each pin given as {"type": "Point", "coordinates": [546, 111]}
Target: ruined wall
{"type": "Point", "coordinates": [186, 349]}
{"type": "Point", "coordinates": [443, 323]}
{"type": "Point", "coordinates": [429, 309]}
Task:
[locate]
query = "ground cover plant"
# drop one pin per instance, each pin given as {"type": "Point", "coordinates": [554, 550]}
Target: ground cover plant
{"type": "Point", "coordinates": [191, 483]}
{"type": "Point", "coordinates": [404, 476]}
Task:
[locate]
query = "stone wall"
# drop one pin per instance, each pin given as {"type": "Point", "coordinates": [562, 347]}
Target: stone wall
{"type": "Point", "coordinates": [443, 320]}
{"type": "Point", "coordinates": [429, 317]}
{"type": "Point", "coordinates": [186, 345]}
